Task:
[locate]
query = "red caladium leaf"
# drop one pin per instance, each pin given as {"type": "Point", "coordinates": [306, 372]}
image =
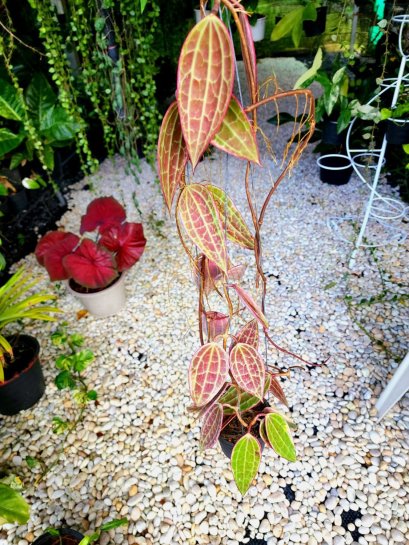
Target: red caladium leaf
{"type": "Point", "coordinates": [208, 372]}
{"type": "Point", "coordinates": [172, 155]}
{"type": "Point", "coordinates": [248, 334]}
{"type": "Point", "coordinates": [247, 368]}
{"type": "Point", "coordinates": [277, 391]}
{"type": "Point", "coordinates": [251, 305]}
{"type": "Point", "coordinates": [50, 241]}
{"type": "Point", "coordinates": [237, 230]}
{"type": "Point", "coordinates": [214, 324]}
{"type": "Point", "coordinates": [53, 258]}
{"type": "Point", "coordinates": [90, 265]}
{"type": "Point", "coordinates": [211, 426]}
{"type": "Point", "coordinates": [102, 213]}
{"type": "Point", "coordinates": [236, 135]}
{"type": "Point", "coordinates": [126, 241]}
{"type": "Point", "coordinates": [202, 222]}
{"type": "Point", "coordinates": [205, 83]}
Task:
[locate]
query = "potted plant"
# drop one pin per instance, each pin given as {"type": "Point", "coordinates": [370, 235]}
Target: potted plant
{"type": "Point", "coordinates": [21, 376]}
{"type": "Point", "coordinates": [229, 380]}
{"type": "Point", "coordinates": [397, 121]}
{"type": "Point", "coordinates": [67, 536]}
{"type": "Point", "coordinates": [95, 268]}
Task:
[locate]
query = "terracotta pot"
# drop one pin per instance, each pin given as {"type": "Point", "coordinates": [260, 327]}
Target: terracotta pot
{"type": "Point", "coordinates": [68, 537]}
{"type": "Point", "coordinates": [104, 302]}
{"type": "Point", "coordinates": [24, 384]}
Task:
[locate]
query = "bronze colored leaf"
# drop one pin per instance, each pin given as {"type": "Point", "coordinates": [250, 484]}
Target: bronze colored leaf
{"type": "Point", "coordinates": [172, 156]}
{"type": "Point", "coordinates": [208, 372]}
{"type": "Point", "coordinates": [205, 83]}
{"type": "Point", "coordinates": [251, 305]}
{"type": "Point", "coordinates": [277, 391]}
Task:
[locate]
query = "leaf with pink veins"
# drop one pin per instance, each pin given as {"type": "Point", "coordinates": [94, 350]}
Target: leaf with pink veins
{"type": "Point", "coordinates": [211, 426]}
{"type": "Point", "coordinates": [247, 369]}
{"type": "Point", "coordinates": [208, 371]}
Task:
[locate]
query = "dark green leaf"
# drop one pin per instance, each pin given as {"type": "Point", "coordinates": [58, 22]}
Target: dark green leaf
{"type": "Point", "coordinates": [40, 98]}
{"type": "Point", "coordinates": [310, 12]}
{"type": "Point", "coordinates": [11, 104]}
{"type": "Point", "coordinates": [58, 126]}
{"type": "Point", "coordinates": [9, 140]}
{"type": "Point", "coordinates": [65, 380]}
{"type": "Point", "coordinates": [31, 462]}
{"type": "Point", "coordinates": [49, 157]}
{"type": "Point", "coordinates": [92, 395]}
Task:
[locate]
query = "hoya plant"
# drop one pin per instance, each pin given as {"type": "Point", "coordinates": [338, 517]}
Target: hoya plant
{"type": "Point", "coordinates": [231, 385]}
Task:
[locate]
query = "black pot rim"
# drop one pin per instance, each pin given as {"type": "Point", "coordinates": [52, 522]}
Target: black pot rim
{"type": "Point", "coordinates": [33, 360]}
{"type": "Point", "coordinates": [65, 531]}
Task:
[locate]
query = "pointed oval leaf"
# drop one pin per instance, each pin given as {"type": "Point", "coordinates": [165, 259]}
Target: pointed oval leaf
{"type": "Point", "coordinates": [205, 83]}
{"type": "Point", "coordinates": [237, 230]}
{"type": "Point", "coordinates": [247, 401]}
{"type": "Point", "coordinates": [277, 391]}
{"type": "Point", "coordinates": [250, 63]}
{"type": "Point", "coordinates": [172, 155]}
{"type": "Point", "coordinates": [211, 427]}
{"type": "Point", "coordinates": [245, 461]}
{"type": "Point", "coordinates": [215, 323]}
{"type": "Point", "coordinates": [208, 372]}
{"type": "Point", "coordinates": [248, 334]}
{"type": "Point", "coordinates": [279, 437]}
{"type": "Point", "coordinates": [236, 135]}
{"type": "Point", "coordinates": [248, 369]}
{"type": "Point", "coordinates": [251, 305]}
{"type": "Point", "coordinates": [203, 224]}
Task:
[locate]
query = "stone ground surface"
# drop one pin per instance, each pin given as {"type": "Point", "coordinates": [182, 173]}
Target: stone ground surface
{"type": "Point", "coordinates": [136, 454]}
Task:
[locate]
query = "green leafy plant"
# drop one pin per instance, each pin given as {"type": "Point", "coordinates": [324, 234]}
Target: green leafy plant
{"type": "Point", "coordinates": [292, 22]}
{"type": "Point", "coordinates": [92, 538]}
{"type": "Point", "coordinates": [16, 304]}
{"type": "Point", "coordinates": [231, 384]}
{"type": "Point", "coordinates": [13, 507]}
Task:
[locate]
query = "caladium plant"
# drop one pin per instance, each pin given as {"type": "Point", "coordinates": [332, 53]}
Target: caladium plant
{"type": "Point", "coordinates": [231, 385]}
{"type": "Point", "coordinates": [93, 263]}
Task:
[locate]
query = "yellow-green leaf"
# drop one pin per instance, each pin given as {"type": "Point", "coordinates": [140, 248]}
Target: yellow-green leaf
{"type": "Point", "coordinates": [278, 434]}
{"type": "Point", "coordinates": [245, 461]}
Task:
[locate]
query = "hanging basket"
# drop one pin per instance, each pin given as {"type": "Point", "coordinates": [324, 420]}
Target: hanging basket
{"type": "Point", "coordinates": [335, 169]}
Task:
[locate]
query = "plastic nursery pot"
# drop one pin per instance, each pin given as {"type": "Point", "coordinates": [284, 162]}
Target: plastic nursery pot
{"type": "Point", "coordinates": [24, 380]}
{"type": "Point", "coordinates": [397, 131]}
{"type": "Point", "coordinates": [198, 15]}
{"type": "Point", "coordinates": [330, 134]}
{"type": "Point", "coordinates": [18, 201]}
{"type": "Point", "coordinates": [68, 537]}
{"type": "Point", "coordinates": [317, 27]}
{"type": "Point", "coordinates": [234, 430]}
{"type": "Point", "coordinates": [335, 169]}
{"type": "Point", "coordinates": [258, 30]}
{"type": "Point", "coordinates": [102, 302]}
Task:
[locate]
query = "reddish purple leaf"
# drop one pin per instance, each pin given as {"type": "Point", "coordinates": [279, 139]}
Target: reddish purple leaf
{"type": "Point", "coordinates": [214, 324]}
{"type": "Point", "coordinates": [248, 334]}
{"type": "Point", "coordinates": [126, 241]}
{"type": "Point", "coordinates": [208, 372]}
{"type": "Point", "coordinates": [52, 249]}
{"type": "Point", "coordinates": [236, 273]}
{"type": "Point", "coordinates": [250, 64]}
{"type": "Point", "coordinates": [211, 426]}
{"type": "Point", "coordinates": [90, 265]}
{"type": "Point", "coordinates": [277, 391]}
{"type": "Point", "coordinates": [248, 369]}
{"type": "Point", "coordinates": [251, 305]}
{"type": "Point", "coordinates": [102, 213]}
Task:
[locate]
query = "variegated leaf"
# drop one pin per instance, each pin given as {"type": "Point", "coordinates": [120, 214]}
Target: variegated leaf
{"type": "Point", "coordinates": [236, 228]}
{"type": "Point", "coordinates": [214, 323]}
{"type": "Point", "coordinates": [277, 391]}
{"type": "Point", "coordinates": [205, 83]}
{"type": "Point", "coordinates": [236, 135]}
{"type": "Point", "coordinates": [247, 368]}
{"type": "Point", "coordinates": [251, 305]}
{"type": "Point", "coordinates": [247, 401]}
{"type": "Point", "coordinates": [172, 156]}
{"type": "Point", "coordinates": [248, 334]}
{"type": "Point", "coordinates": [208, 372]}
{"type": "Point", "coordinates": [211, 427]}
{"type": "Point", "coordinates": [203, 224]}
{"type": "Point", "coordinates": [279, 437]}
{"type": "Point", "coordinates": [245, 461]}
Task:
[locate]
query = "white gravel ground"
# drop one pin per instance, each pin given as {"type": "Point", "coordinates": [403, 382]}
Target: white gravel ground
{"type": "Point", "coordinates": [137, 453]}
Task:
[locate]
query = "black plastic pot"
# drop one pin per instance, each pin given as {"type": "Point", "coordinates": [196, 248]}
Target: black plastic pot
{"type": "Point", "coordinates": [397, 133]}
{"type": "Point", "coordinates": [18, 201]}
{"type": "Point", "coordinates": [330, 134]}
{"type": "Point", "coordinates": [335, 169]}
{"type": "Point", "coordinates": [68, 537]}
{"type": "Point", "coordinates": [24, 380]}
{"type": "Point", "coordinates": [227, 446]}
{"type": "Point", "coordinates": [317, 27]}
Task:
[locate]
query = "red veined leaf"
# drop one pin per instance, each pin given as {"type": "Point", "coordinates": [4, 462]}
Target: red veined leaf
{"type": "Point", "coordinates": [202, 222]}
{"type": "Point", "coordinates": [236, 273]}
{"type": "Point", "coordinates": [214, 324]}
{"type": "Point", "coordinates": [172, 155]}
{"type": "Point", "coordinates": [247, 368]}
{"type": "Point", "coordinates": [277, 391]}
{"type": "Point", "coordinates": [210, 271]}
{"type": "Point", "coordinates": [211, 427]}
{"type": "Point", "coordinates": [250, 65]}
{"type": "Point", "coordinates": [90, 265]}
{"type": "Point", "coordinates": [203, 410]}
{"type": "Point", "coordinates": [205, 83]}
{"type": "Point", "coordinates": [208, 372]}
{"type": "Point", "coordinates": [279, 436]}
{"type": "Point", "coordinates": [126, 241]}
{"type": "Point", "coordinates": [237, 230]}
{"type": "Point", "coordinates": [102, 213]}
{"type": "Point", "coordinates": [236, 135]}
{"type": "Point", "coordinates": [52, 255]}
{"type": "Point", "coordinates": [251, 305]}
{"type": "Point", "coordinates": [245, 461]}
{"type": "Point", "coordinates": [248, 334]}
